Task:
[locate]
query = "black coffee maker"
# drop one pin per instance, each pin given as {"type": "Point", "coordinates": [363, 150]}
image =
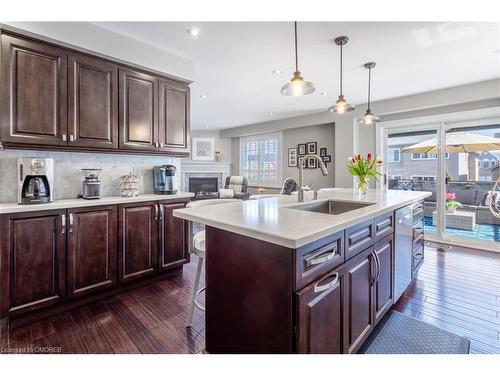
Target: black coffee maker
{"type": "Point", "coordinates": [163, 179]}
{"type": "Point", "coordinates": [35, 180]}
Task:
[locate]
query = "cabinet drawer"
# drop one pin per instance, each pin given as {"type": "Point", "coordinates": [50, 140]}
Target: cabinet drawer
{"type": "Point", "coordinates": [418, 212]}
{"type": "Point", "coordinates": [358, 238]}
{"type": "Point", "coordinates": [383, 226]}
{"type": "Point", "coordinates": [418, 234]}
{"type": "Point", "coordinates": [417, 259]}
{"type": "Point", "coordinates": [316, 259]}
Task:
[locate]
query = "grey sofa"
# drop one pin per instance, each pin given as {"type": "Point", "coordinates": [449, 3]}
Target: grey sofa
{"type": "Point", "coordinates": [472, 200]}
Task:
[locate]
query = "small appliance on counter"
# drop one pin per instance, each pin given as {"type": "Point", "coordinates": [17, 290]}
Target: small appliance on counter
{"type": "Point", "coordinates": [35, 178]}
{"type": "Point", "coordinates": [163, 179]}
{"type": "Point", "coordinates": [91, 186]}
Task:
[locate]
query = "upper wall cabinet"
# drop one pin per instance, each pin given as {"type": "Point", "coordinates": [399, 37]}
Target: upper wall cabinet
{"type": "Point", "coordinates": [34, 92]}
{"type": "Point", "coordinates": [174, 116]}
{"type": "Point", "coordinates": [93, 102]}
{"type": "Point", "coordinates": [138, 111]}
{"type": "Point", "coordinates": [57, 98]}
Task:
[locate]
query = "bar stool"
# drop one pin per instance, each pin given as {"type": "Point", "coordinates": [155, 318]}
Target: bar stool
{"type": "Point", "coordinates": [198, 248]}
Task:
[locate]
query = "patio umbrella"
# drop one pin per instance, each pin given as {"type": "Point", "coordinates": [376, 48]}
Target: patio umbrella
{"type": "Point", "coordinates": [457, 142]}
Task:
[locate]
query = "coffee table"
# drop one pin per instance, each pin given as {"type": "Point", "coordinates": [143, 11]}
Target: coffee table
{"type": "Point", "coordinates": [459, 219]}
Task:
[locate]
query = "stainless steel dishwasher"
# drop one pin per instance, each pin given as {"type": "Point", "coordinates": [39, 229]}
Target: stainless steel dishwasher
{"type": "Point", "coordinates": [403, 244]}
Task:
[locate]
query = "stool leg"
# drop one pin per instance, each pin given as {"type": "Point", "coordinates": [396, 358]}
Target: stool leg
{"type": "Point", "coordinates": [195, 291]}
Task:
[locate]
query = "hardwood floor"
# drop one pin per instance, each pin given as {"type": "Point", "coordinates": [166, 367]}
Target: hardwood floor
{"type": "Point", "coordinates": [457, 290]}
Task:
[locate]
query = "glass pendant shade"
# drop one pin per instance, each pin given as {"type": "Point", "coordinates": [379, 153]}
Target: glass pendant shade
{"type": "Point", "coordinates": [297, 86]}
{"type": "Point", "coordinates": [341, 106]}
{"type": "Point", "coordinates": [369, 118]}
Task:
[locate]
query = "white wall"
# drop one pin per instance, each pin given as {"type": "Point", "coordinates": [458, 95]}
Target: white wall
{"type": "Point", "coordinates": [89, 36]}
{"type": "Point", "coordinates": [221, 144]}
{"type": "Point", "coordinates": [477, 95]}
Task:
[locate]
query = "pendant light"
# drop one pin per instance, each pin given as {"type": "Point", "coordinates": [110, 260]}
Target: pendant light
{"type": "Point", "coordinates": [341, 105]}
{"type": "Point", "coordinates": [369, 118]}
{"type": "Point", "coordinates": [297, 85]}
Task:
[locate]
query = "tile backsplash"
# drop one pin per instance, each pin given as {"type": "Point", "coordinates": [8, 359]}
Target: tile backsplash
{"type": "Point", "coordinates": [68, 175]}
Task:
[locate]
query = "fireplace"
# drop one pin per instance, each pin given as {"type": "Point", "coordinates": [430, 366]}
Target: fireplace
{"type": "Point", "coordinates": [204, 187]}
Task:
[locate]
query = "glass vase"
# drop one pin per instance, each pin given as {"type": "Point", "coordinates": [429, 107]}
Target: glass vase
{"type": "Point", "coordinates": [362, 186]}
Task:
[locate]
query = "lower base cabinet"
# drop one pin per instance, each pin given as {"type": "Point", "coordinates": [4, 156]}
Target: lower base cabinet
{"type": "Point", "coordinates": [91, 250]}
{"type": "Point", "coordinates": [320, 315]}
{"type": "Point", "coordinates": [49, 258]}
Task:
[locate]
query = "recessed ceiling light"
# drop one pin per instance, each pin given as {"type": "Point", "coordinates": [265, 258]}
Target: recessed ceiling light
{"type": "Point", "coordinates": [206, 127]}
{"type": "Point", "coordinates": [203, 96]}
{"type": "Point", "coordinates": [276, 71]}
{"type": "Point", "coordinates": [194, 31]}
{"type": "Point", "coordinates": [324, 93]}
{"type": "Point", "coordinates": [270, 113]}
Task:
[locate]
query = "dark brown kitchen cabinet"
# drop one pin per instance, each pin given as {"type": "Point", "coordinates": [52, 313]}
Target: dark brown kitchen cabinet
{"type": "Point", "coordinates": [358, 304]}
{"type": "Point", "coordinates": [384, 287]}
{"type": "Point", "coordinates": [34, 92]}
{"type": "Point", "coordinates": [33, 257]}
{"type": "Point", "coordinates": [358, 238]}
{"type": "Point", "coordinates": [92, 249]}
{"type": "Point", "coordinates": [320, 315]}
{"type": "Point", "coordinates": [173, 116]}
{"type": "Point", "coordinates": [138, 240]}
{"type": "Point", "coordinates": [172, 238]}
{"type": "Point", "coordinates": [138, 119]}
{"type": "Point", "coordinates": [93, 102]}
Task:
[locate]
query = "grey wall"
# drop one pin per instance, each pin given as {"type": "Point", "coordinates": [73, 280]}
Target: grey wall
{"type": "Point", "coordinates": [221, 144]}
{"type": "Point", "coordinates": [68, 175]}
{"type": "Point", "coordinates": [323, 134]}
{"type": "Point", "coordinates": [473, 96]}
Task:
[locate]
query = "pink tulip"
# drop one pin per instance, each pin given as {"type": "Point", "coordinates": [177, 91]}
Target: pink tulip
{"type": "Point", "coordinates": [450, 196]}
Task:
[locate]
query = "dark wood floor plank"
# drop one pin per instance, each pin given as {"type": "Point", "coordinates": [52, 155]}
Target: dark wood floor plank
{"type": "Point", "coordinates": [89, 332]}
{"type": "Point", "coordinates": [171, 343]}
{"type": "Point", "coordinates": [146, 318]}
{"type": "Point", "coordinates": [141, 337]}
{"type": "Point", "coordinates": [41, 329]}
{"type": "Point", "coordinates": [47, 345]}
{"type": "Point", "coordinates": [115, 334]}
{"type": "Point", "coordinates": [66, 335]}
{"type": "Point", "coordinates": [98, 308]}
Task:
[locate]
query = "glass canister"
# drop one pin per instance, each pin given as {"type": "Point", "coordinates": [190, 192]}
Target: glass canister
{"type": "Point", "coordinates": [129, 185]}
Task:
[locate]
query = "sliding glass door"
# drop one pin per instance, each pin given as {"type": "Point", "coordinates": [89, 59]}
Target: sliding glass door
{"type": "Point", "coordinates": [458, 162]}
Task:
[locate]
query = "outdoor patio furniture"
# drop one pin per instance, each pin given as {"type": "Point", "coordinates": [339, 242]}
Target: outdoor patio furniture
{"type": "Point", "coordinates": [459, 219]}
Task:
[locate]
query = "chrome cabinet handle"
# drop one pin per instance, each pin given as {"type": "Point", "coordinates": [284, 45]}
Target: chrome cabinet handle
{"type": "Point", "coordinates": [161, 211]}
{"type": "Point", "coordinates": [161, 145]}
{"type": "Point", "coordinates": [70, 223]}
{"type": "Point", "coordinates": [377, 258]}
{"type": "Point", "coordinates": [323, 259]}
{"type": "Point", "coordinates": [64, 137]}
{"type": "Point", "coordinates": [321, 288]}
{"type": "Point", "coordinates": [374, 278]}
{"type": "Point", "coordinates": [71, 137]}
{"type": "Point", "coordinates": [63, 223]}
{"type": "Point", "coordinates": [156, 212]}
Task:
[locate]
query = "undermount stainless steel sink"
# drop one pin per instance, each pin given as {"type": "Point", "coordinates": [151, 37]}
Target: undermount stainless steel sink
{"type": "Point", "coordinates": [332, 207]}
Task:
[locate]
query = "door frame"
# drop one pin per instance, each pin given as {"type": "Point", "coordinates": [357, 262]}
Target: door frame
{"type": "Point", "coordinates": [441, 123]}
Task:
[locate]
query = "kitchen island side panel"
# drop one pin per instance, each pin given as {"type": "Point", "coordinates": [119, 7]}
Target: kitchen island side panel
{"type": "Point", "coordinates": [249, 299]}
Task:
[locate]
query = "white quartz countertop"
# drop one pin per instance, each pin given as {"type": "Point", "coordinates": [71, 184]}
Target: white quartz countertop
{"type": "Point", "coordinates": [273, 220]}
{"type": "Point", "coordinates": [7, 208]}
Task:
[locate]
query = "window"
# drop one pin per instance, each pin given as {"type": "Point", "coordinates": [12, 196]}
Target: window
{"type": "Point", "coordinates": [260, 159]}
{"type": "Point", "coordinates": [486, 164]}
{"type": "Point", "coordinates": [416, 156]}
{"type": "Point", "coordinates": [493, 163]}
{"type": "Point", "coordinates": [393, 155]}
{"type": "Point", "coordinates": [423, 178]}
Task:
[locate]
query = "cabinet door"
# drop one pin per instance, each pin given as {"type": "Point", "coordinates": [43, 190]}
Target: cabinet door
{"type": "Point", "coordinates": [138, 120]}
{"type": "Point", "coordinates": [91, 250]}
{"type": "Point", "coordinates": [33, 249]}
{"type": "Point", "coordinates": [34, 92]}
{"type": "Point", "coordinates": [384, 285]}
{"type": "Point", "coordinates": [173, 117]}
{"type": "Point", "coordinates": [173, 237]}
{"type": "Point", "coordinates": [320, 316]}
{"type": "Point", "coordinates": [358, 307]}
{"type": "Point", "coordinates": [93, 102]}
{"type": "Point", "coordinates": [138, 242]}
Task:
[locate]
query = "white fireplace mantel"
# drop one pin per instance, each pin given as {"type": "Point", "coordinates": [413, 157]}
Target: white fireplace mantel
{"type": "Point", "coordinates": [193, 168]}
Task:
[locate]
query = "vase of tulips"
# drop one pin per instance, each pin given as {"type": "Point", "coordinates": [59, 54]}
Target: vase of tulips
{"type": "Point", "coordinates": [364, 169]}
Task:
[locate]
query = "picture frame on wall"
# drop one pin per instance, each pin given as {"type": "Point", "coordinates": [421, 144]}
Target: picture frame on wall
{"type": "Point", "coordinates": [312, 164]}
{"type": "Point", "coordinates": [292, 157]}
{"type": "Point", "coordinates": [327, 158]}
{"type": "Point", "coordinates": [312, 148]}
{"type": "Point", "coordinates": [322, 151]}
{"type": "Point", "coordinates": [301, 149]}
{"type": "Point", "coordinates": [203, 149]}
{"type": "Point", "coordinates": [299, 161]}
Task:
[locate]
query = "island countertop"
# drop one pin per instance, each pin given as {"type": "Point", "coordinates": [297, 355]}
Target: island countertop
{"type": "Point", "coordinates": [274, 220]}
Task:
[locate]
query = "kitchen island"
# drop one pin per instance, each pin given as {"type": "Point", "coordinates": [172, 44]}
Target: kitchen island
{"type": "Point", "coordinates": [288, 277]}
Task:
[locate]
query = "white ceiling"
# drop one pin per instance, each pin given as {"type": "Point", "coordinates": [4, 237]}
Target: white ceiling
{"type": "Point", "coordinates": [234, 62]}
